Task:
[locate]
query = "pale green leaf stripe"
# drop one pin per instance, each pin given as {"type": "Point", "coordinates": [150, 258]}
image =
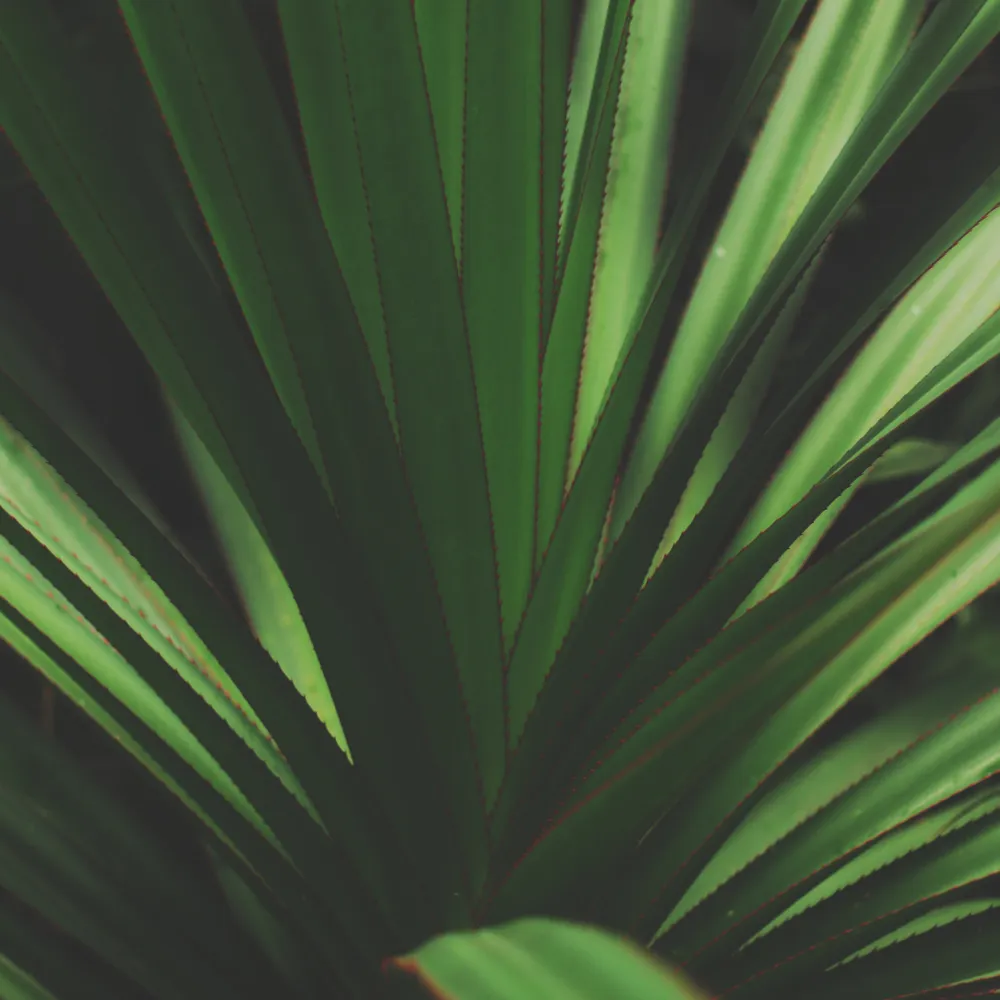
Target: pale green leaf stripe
{"type": "Point", "coordinates": [595, 76]}
{"type": "Point", "coordinates": [539, 959]}
{"type": "Point", "coordinates": [557, 56]}
{"type": "Point", "coordinates": [582, 82]}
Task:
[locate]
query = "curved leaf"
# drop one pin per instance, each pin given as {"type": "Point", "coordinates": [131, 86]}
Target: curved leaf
{"type": "Point", "coordinates": [541, 960]}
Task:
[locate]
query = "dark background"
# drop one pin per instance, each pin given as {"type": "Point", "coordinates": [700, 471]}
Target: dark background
{"type": "Point", "coordinates": [87, 346]}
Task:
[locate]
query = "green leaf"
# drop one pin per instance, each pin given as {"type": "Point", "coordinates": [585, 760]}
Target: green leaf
{"type": "Point", "coordinates": [288, 308]}
{"type": "Point", "coordinates": [947, 304]}
{"type": "Point", "coordinates": [840, 655]}
{"type": "Point", "coordinates": [909, 458]}
{"type": "Point", "coordinates": [431, 545]}
{"type": "Point", "coordinates": [302, 738]}
{"type": "Point", "coordinates": [440, 436]}
{"type": "Point", "coordinates": [77, 857]}
{"type": "Point", "coordinates": [590, 127]}
{"type": "Point", "coordinates": [18, 985]}
{"type": "Point", "coordinates": [611, 611]}
{"type": "Point", "coordinates": [168, 765]}
{"type": "Point", "coordinates": [399, 270]}
{"type": "Point", "coordinates": [962, 949]}
{"type": "Point", "coordinates": [748, 897]}
{"type": "Point", "coordinates": [81, 541]}
{"type": "Point", "coordinates": [847, 53]}
{"type": "Point", "coordinates": [812, 666]}
{"type": "Point", "coordinates": [29, 948]}
{"type": "Point", "coordinates": [305, 840]}
{"type": "Point", "coordinates": [551, 608]}
{"type": "Point", "coordinates": [268, 926]}
{"type": "Point", "coordinates": [536, 959]}
{"type": "Point", "coordinates": [269, 602]}
{"type": "Point", "coordinates": [633, 196]}
{"type": "Point", "coordinates": [501, 252]}
{"type": "Point", "coordinates": [944, 41]}
{"type": "Point", "coordinates": [189, 335]}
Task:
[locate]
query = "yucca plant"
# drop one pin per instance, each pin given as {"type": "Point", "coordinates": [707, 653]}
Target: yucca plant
{"type": "Point", "coordinates": [520, 453]}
